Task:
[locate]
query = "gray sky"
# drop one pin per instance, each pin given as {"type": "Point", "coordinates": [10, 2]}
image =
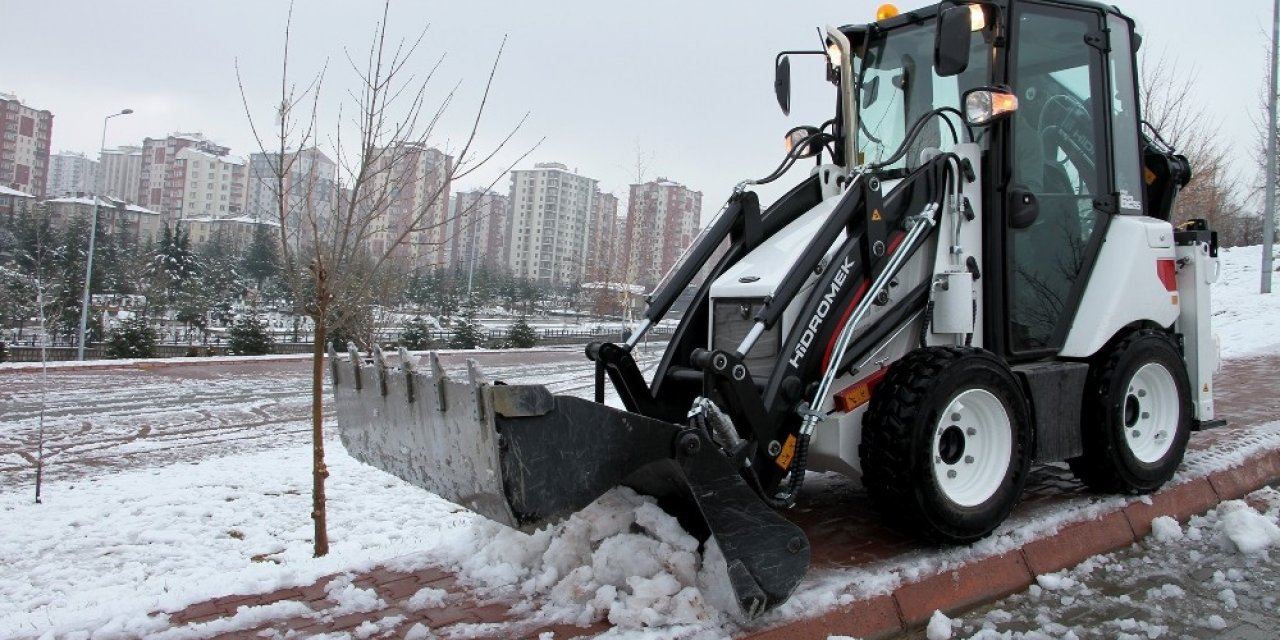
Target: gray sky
{"type": "Point", "coordinates": [687, 85]}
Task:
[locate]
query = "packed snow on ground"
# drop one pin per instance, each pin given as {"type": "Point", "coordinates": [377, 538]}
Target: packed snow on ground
{"type": "Point", "coordinates": [1218, 571]}
{"type": "Point", "coordinates": [106, 552]}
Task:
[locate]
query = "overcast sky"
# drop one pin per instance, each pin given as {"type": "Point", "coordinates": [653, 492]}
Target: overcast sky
{"type": "Point", "coordinates": [686, 85]}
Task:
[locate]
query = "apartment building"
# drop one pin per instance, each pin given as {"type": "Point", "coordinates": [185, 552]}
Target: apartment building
{"type": "Point", "coordinates": [603, 263]}
{"type": "Point", "coordinates": [238, 230]}
{"type": "Point", "coordinates": [119, 171]}
{"type": "Point", "coordinates": [24, 146]}
{"type": "Point", "coordinates": [409, 202]}
{"type": "Point", "coordinates": [480, 217]}
{"type": "Point", "coordinates": [663, 218]}
{"type": "Point", "coordinates": [310, 185]}
{"type": "Point", "coordinates": [132, 222]}
{"type": "Point", "coordinates": [71, 172]}
{"type": "Point", "coordinates": [202, 184]}
{"type": "Point", "coordinates": [157, 189]}
{"type": "Point", "coordinates": [14, 202]}
{"type": "Point", "coordinates": [548, 237]}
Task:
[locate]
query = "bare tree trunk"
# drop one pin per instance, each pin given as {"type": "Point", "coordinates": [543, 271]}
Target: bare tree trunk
{"type": "Point", "coordinates": [319, 471]}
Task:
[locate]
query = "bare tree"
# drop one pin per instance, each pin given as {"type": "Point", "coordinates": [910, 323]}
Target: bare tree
{"type": "Point", "coordinates": [1214, 190]}
{"type": "Point", "coordinates": [381, 209]}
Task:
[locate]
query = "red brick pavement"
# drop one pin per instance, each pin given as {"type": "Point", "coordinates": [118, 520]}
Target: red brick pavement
{"type": "Point", "coordinates": [845, 533]}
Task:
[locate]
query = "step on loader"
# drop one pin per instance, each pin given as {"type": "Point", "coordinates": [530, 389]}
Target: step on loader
{"type": "Point", "coordinates": [979, 272]}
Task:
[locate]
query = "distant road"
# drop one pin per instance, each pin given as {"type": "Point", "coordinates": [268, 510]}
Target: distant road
{"type": "Point", "coordinates": [101, 420]}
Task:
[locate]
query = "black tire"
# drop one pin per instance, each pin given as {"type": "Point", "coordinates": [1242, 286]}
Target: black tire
{"type": "Point", "coordinates": [1114, 462]}
{"type": "Point", "coordinates": [904, 440]}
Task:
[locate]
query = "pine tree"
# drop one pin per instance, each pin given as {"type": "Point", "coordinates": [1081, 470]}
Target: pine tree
{"type": "Point", "coordinates": [467, 333]}
{"type": "Point", "coordinates": [173, 263]}
{"type": "Point", "coordinates": [261, 260]}
{"type": "Point", "coordinates": [134, 338]}
{"type": "Point", "coordinates": [521, 335]}
{"type": "Point", "coordinates": [416, 335]}
{"type": "Point", "coordinates": [249, 337]}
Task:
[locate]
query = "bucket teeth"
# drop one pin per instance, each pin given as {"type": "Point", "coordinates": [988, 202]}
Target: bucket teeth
{"type": "Point", "coordinates": [333, 363]}
{"type": "Point", "coordinates": [407, 366]}
{"type": "Point", "coordinates": [475, 378]}
{"type": "Point", "coordinates": [439, 378]}
{"type": "Point", "coordinates": [355, 365]}
{"type": "Point", "coordinates": [380, 369]}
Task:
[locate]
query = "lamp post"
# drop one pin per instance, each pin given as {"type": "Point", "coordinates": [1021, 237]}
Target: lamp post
{"type": "Point", "coordinates": [1268, 215]}
{"type": "Point", "coordinates": [93, 233]}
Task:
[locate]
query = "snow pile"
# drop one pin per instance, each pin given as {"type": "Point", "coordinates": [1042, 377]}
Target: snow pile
{"type": "Point", "coordinates": [1166, 529]}
{"type": "Point", "coordinates": [939, 627]}
{"type": "Point", "coordinates": [1245, 530]}
{"type": "Point", "coordinates": [622, 558]}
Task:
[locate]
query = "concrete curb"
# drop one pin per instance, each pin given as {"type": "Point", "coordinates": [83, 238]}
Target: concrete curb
{"type": "Point", "coordinates": [956, 591]}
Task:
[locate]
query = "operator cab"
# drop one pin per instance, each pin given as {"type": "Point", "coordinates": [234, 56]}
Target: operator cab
{"type": "Point", "coordinates": [1060, 141]}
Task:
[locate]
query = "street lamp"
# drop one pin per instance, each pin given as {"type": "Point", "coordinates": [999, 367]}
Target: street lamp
{"type": "Point", "coordinates": [93, 233]}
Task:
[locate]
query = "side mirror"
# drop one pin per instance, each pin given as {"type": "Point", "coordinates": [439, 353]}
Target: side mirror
{"type": "Point", "coordinates": [951, 41]}
{"type": "Point", "coordinates": [1023, 208]}
{"type": "Point", "coordinates": [809, 139]}
{"type": "Point", "coordinates": [782, 83]}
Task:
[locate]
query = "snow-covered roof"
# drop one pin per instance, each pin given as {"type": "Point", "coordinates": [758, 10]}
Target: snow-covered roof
{"type": "Point", "coordinates": [205, 155]}
{"type": "Point", "coordinates": [6, 191]}
{"type": "Point", "coordinates": [237, 220]}
{"type": "Point", "coordinates": [103, 202]}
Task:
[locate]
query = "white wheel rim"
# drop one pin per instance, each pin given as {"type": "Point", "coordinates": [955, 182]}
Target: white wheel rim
{"type": "Point", "coordinates": [972, 444]}
{"type": "Point", "coordinates": [1149, 412]}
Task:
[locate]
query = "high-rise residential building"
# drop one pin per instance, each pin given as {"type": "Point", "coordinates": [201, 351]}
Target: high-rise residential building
{"type": "Point", "coordinates": [119, 171]}
{"type": "Point", "coordinates": [310, 182]}
{"type": "Point", "coordinates": [202, 184]}
{"type": "Point", "coordinates": [157, 189]}
{"type": "Point", "coordinates": [603, 243]}
{"type": "Point", "coordinates": [24, 146]}
{"type": "Point", "coordinates": [410, 204]}
{"type": "Point", "coordinates": [70, 173]}
{"type": "Point", "coordinates": [549, 228]}
{"type": "Point", "coordinates": [480, 219]}
{"type": "Point", "coordinates": [663, 218]}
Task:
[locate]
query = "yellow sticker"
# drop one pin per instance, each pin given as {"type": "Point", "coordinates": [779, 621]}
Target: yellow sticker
{"type": "Point", "coordinates": [1148, 175]}
{"type": "Point", "coordinates": [788, 452]}
{"type": "Point", "coordinates": [875, 215]}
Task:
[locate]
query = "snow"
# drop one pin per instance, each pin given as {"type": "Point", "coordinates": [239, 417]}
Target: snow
{"type": "Point", "coordinates": [1166, 529]}
{"type": "Point", "coordinates": [1247, 531]}
{"type": "Point", "coordinates": [6, 191]}
{"type": "Point", "coordinates": [1161, 587]}
{"type": "Point", "coordinates": [939, 627]}
{"type": "Point", "coordinates": [107, 550]}
{"type": "Point", "coordinates": [1246, 321]}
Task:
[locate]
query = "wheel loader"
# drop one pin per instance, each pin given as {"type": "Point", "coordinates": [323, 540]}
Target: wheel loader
{"type": "Point", "coordinates": [977, 273]}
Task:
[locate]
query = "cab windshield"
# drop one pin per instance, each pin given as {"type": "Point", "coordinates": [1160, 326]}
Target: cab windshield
{"type": "Point", "coordinates": [897, 86]}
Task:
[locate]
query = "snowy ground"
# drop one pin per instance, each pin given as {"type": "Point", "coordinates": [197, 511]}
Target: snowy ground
{"type": "Point", "coordinates": [1215, 577]}
{"type": "Point", "coordinates": [213, 499]}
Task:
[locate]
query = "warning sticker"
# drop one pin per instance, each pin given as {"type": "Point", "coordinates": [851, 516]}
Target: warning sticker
{"type": "Point", "coordinates": [788, 453]}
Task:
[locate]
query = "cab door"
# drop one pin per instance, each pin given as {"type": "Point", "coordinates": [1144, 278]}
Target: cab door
{"type": "Point", "coordinates": [1058, 152]}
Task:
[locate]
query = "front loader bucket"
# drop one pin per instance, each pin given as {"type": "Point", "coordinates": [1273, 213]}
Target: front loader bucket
{"type": "Point", "coordinates": [523, 457]}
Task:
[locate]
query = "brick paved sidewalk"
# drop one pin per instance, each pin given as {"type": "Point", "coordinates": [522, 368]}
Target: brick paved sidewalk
{"type": "Point", "coordinates": [844, 532]}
